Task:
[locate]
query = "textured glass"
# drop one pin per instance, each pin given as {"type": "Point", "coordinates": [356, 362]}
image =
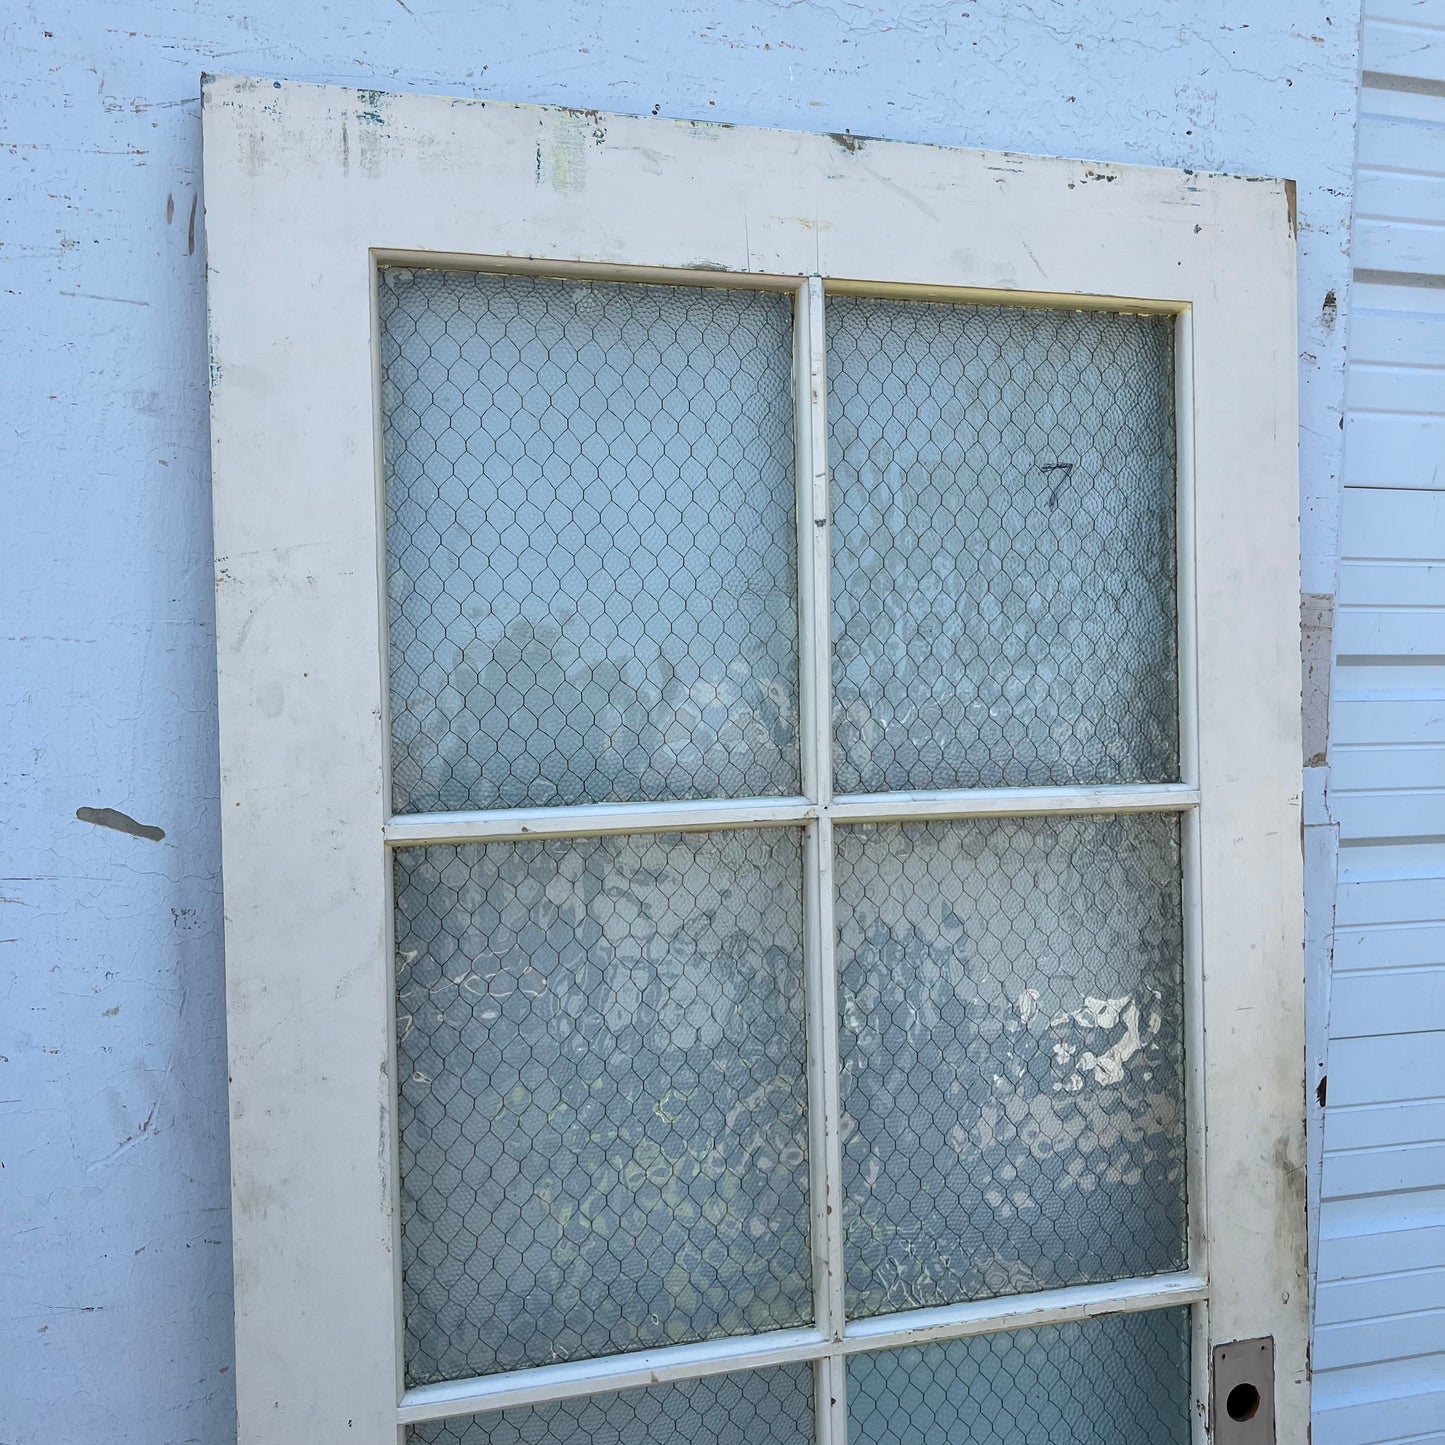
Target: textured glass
{"type": "Point", "coordinates": [590, 541]}
{"type": "Point", "coordinates": [1003, 546]}
{"type": "Point", "coordinates": [1103, 1382]}
{"type": "Point", "coordinates": [1012, 1056]}
{"type": "Point", "coordinates": [603, 1136]}
{"type": "Point", "coordinates": [756, 1407]}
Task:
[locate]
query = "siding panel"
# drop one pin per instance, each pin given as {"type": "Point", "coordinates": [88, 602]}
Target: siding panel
{"type": "Point", "coordinates": [1405, 1291]}
{"type": "Point", "coordinates": [1391, 1001]}
{"type": "Point", "coordinates": [1379, 1346]}
{"type": "Point", "coordinates": [1395, 451]}
{"type": "Point", "coordinates": [1407, 48]}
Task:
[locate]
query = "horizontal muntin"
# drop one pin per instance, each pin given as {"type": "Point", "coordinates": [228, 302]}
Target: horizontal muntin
{"type": "Point", "coordinates": [1018, 1312]}
{"type": "Point", "coordinates": [513, 824]}
{"type": "Point", "coordinates": [611, 1372]}
{"type": "Point", "coordinates": [1013, 802]}
{"type": "Point", "coordinates": [719, 1357]}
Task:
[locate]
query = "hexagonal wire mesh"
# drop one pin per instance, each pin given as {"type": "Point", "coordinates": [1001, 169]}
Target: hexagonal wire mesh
{"type": "Point", "coordinates": [754, 1407]}
{"type": "Point", "coordinates": [591, 569]}
{"type": "Point", "coordinates": [1011, 1042]}
{"type": "Point", "coordinates": [1122, 1378]}
{"type": "Point", "coordinates": [1003, 546]}
{"type": "Point", "coordinates": [603, 1131]}
{"type": "Point", "coordinates": [590, 541]}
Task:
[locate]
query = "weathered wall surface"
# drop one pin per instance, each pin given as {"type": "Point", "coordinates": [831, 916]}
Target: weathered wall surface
{"type": "Point", "coordinates": [115, 1301]}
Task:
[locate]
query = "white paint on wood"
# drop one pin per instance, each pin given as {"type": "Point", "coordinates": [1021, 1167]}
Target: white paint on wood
{"type": "Point", "coordinates": [713, 1357]}
{"type": "Point", "coordinates": [301, 182]}
{"type": "Point", "coordinates": [411, 829]}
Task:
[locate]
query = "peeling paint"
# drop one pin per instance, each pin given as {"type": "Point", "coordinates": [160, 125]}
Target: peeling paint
{"type": "Point", "coordinates": [562, 152]}
{"type": "Point", "coordinates": [1317, 624]}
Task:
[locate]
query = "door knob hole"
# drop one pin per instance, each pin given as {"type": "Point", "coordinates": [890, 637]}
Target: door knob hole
{"type": "Point", "coordinates": [1242, 1403]}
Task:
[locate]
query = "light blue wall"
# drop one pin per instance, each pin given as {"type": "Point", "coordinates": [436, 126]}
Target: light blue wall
{"type": "Point", "coordinates": [114, 1303]}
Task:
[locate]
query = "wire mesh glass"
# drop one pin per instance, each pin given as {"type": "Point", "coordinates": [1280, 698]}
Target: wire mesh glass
{"type": "Point", "coordinates": [591, 570]}
{"type": "Point", "coordinates": [754, 1407]}
{"type": "Point", "coordinates": [1011, 1042]}
{"type": "Point", "coordinates": [1107, 1380]}
{"type": "Point", "coordinates": [602, 1096]}
{"type": "Point", "coordinates": [1003, 546]}
{"type": "Point", "coordinates": [590, 541]}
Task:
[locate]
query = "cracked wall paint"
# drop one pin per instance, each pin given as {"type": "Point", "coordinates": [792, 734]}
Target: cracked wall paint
{"type": "Point", "coordinates": [117, 1306]}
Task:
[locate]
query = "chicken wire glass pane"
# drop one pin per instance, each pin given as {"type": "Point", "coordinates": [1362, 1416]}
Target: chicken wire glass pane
{"type": "Point", "coordinates": [1012, 1056]}
{"type": "Point", "coordinates": [1003, 546]}
{"type": "Point", "coordinates": [590, 542]}
{"type": "Point", "coordinates": [602, 1098]}
{"type": "Point", "coordinates": [755, 1407]}
{"type": "Point", "coordinates": [1124, 1378]}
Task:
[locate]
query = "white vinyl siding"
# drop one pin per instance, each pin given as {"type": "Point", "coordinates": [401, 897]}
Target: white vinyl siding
{"type": "Point", "coordinates": [1379, 1344]}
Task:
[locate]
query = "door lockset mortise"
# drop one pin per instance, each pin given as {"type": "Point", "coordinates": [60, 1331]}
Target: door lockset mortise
{"type": "Point", "coordinates": [1242, 1409]}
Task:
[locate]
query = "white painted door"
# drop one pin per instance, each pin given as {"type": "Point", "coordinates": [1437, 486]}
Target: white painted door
{"type": "Point", "coordinates": [759, 744]}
